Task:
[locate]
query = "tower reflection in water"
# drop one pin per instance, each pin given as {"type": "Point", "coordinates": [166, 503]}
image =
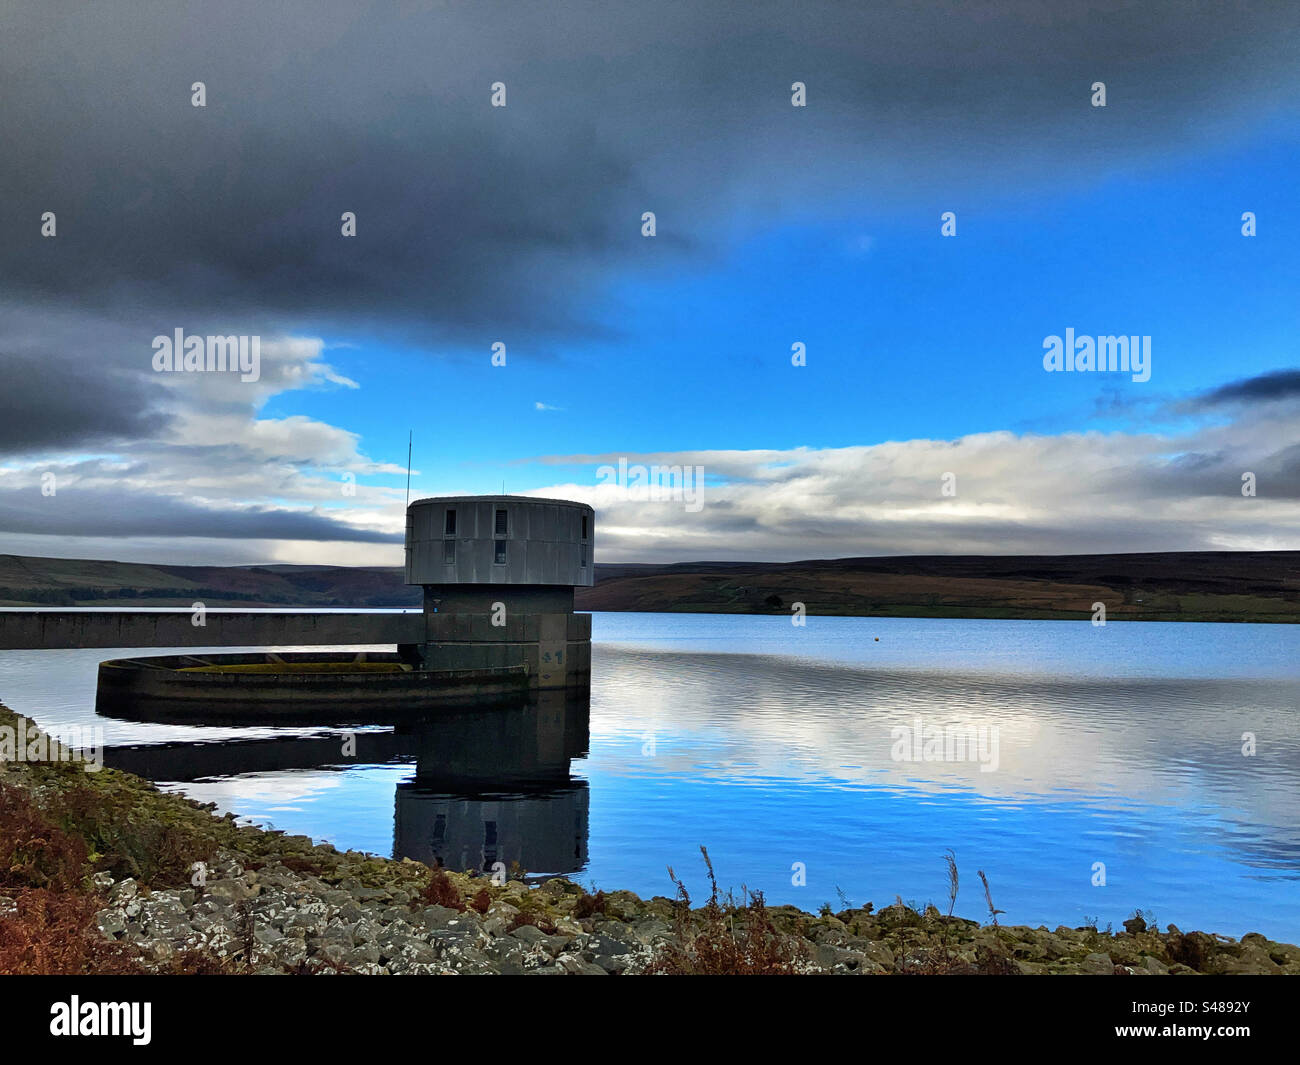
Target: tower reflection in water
{"type": "Point", "coordinates": [496, 787]}
{"type": "Point", "coordinates": [492, 785]}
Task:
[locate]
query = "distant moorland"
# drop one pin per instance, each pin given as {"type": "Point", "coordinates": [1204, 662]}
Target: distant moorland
{"type": "Point", "coordinates": [1175, 586]}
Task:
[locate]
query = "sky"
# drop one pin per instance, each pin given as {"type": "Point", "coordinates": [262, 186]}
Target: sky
{"type": "Point", "coordinates": [918, 416]}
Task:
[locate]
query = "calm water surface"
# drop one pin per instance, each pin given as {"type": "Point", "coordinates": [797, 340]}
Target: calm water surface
{"type": "Point", "coordinates": [774, 747]}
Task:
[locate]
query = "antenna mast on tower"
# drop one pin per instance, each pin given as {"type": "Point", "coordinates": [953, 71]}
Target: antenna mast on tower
{"type": "Point", "coordinates": [409, 438]}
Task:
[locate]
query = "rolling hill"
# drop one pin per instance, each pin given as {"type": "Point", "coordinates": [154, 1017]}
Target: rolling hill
{"type": "Point", "coordinates": [1177, 586]}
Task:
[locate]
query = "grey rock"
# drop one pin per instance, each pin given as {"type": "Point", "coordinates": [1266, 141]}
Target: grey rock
{"type": "Point", "coordinates": [448, 942]}
{"type": "Point", "coordinates": [331, 951]}
{"type": "Point", "coordinates": [880, 954]}
{"type": "Point", "coordinates": [432, 917]}
{"type": "Point", "coordinates": [289, 952]}
{"type": "Point", "coordinates": [111, 923]}
{"type": "Point", "coordinates": [554, 945]}
{"type": "Point", "coordinates": [1097, 965]}
{"type": "Point", "coordinates": [574, 965]}
{"type": "Point", "coordinates": [509, 955]}
{"type": "Point", "coordinates": [168, 926]}
{"type": "Point", "coordinates": [124, 890]}
{"type": "Point", "coordinates": [410, 952]}
{"type": "Point", "coordinates": [266, 933]}
{"type": "Point", "coordinates": [163, 904]}
{"type": "Point", "coordinates": [651, 930]}
{"type": "Point", "coordinates": [419, 969]}
{"type": "Point", "coordinates": [592, 945]}
{"type": "Point", "coordinates": [223, 942]}
{"type": "Point", "coordinates": [232, 889]}
{"type": "Point", "coordinates": [304, 923]}
{"type": "Point", "coordinates": [361, 956]}
{"type": "Point", "coordinates": [338, 932]}
{"type": "Point", "coordinates": [160, 951]}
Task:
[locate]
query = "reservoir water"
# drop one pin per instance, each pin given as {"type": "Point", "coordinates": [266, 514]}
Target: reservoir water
{"type": "Point", "coordinates": [1088, 771]}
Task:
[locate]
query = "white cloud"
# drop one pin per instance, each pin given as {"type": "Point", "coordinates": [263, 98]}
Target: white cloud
{"type": "Point", "coordinates": [1079, 493]}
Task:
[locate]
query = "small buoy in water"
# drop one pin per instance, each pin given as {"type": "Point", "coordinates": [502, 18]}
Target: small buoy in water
{"type": "Point", "coordinates": [877, 639]}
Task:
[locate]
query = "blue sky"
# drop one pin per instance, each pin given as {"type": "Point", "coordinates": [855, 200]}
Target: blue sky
{"type": "Point", "coordinates": [909, 334]}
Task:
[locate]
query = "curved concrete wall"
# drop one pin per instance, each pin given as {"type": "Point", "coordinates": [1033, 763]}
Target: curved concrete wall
{"type": "Point", "coordinates": [167, 688]}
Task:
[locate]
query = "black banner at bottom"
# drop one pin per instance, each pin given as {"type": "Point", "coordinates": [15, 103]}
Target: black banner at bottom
{"type": "Point", "coordinates": [144, 1015]}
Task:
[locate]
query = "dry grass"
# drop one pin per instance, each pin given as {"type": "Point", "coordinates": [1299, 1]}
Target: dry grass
{"type": "Point", "coordinates": [481, 901]}
{"type": "Point", "coordinates": [589, 905]}
{"type": "Point", "coordinates": [727, 939]}
{"type": "Point", "coordinates": [52, 928]}
{"type": "Point", "coordinates": [440, 891]}
{"type": "Point", "coordinates": [54, 933]}
{"type": "Point", "coordinates": [125, 844]}
{"type": "Point", "coordinates": [34, 852]}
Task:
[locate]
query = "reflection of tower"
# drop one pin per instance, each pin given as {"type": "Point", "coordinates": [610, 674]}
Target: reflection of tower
{"type": "Point", "coordinates": [495, 786]}
{"type": "Point", "coordinates": [491, 785]}
{"type": "Point", "coordinates": [543, 832]}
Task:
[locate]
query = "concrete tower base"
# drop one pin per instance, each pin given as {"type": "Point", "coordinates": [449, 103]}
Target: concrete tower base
{"type": "Point", "coordinates": [488, 626]}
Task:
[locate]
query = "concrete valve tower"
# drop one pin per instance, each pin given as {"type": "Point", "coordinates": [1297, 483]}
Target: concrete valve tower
{"type": "Point", "coordinates": [498, 574]}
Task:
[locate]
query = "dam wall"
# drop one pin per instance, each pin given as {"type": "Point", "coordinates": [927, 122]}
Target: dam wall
{"type": "Point", "coordinates": [34, 629]}
{"type": "Point", "coordinates": [554, 648]}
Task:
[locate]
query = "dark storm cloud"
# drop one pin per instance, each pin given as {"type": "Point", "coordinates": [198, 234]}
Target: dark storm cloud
{"type": "Point", "coordinates": [470, 216]}
{"type": "Point", "coordinates": [1281, 384]}
{"type": "Point", "coordinates": [48, 403]}
{"type": "Point", "coordinates": [1219, 474]}
{"type": "Point", "coordinates": [133, 514]}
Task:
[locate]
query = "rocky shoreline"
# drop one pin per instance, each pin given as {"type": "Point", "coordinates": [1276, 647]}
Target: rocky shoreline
{"type": "Point", "coordinates": [166, 885]}
{"type": "Point", "coordinates": [276, 920]}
